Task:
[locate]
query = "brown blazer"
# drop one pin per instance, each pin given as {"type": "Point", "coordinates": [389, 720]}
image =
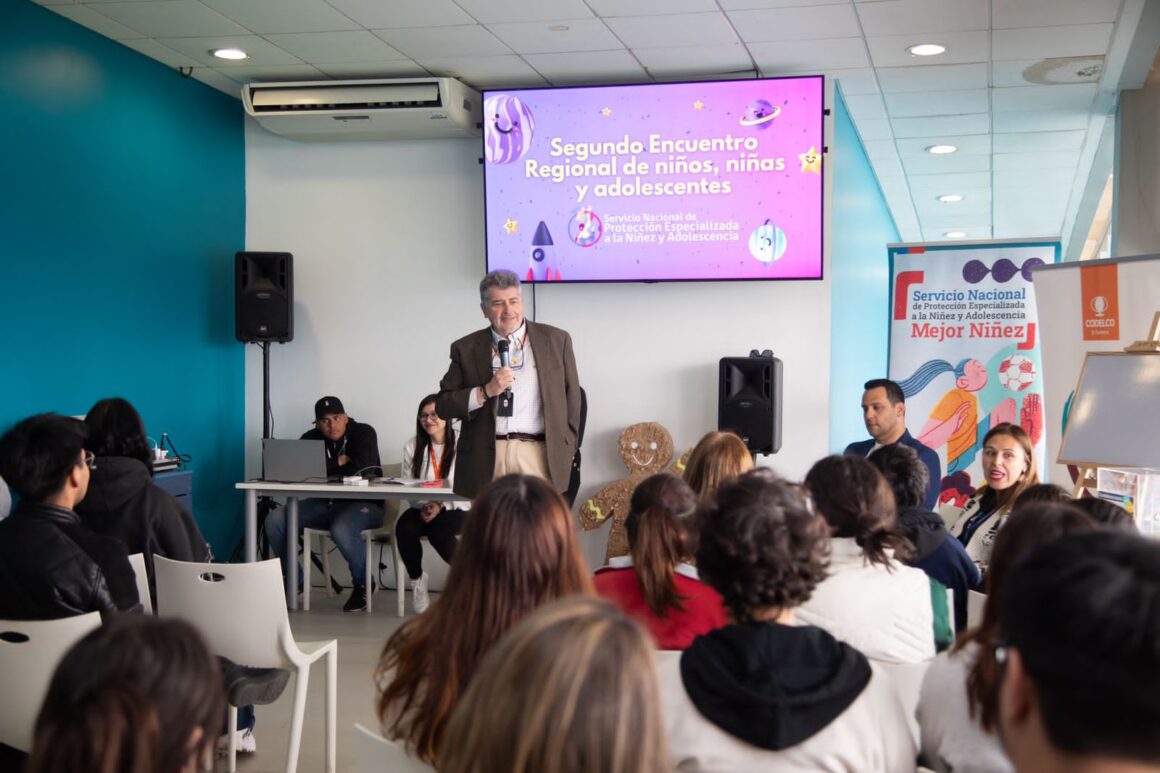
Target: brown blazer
{"type": "Point", "coordinates": [559, 390]}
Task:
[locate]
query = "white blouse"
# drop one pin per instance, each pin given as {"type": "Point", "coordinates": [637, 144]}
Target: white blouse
{"type": "Point", "coordinates": [427, 472]}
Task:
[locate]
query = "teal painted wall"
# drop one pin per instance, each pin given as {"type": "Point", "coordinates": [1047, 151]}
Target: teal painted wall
{"type": "Point", "coordinates": [860, 229]}
{"type": "Point", "coordinates": [123, 203]}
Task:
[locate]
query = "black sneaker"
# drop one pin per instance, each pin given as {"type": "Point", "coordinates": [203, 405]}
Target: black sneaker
{"type": "Point", "coordinates": [357, 601]}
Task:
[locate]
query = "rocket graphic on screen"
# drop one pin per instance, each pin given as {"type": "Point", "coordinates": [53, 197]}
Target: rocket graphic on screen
{"type": "Point", "coordinates": [542, 257]}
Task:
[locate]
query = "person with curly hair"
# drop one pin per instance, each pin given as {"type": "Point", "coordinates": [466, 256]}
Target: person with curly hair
{"type": "Point", "coordinates": [767, 692]}
{"type": "Point", "coordinates": [891, 612]}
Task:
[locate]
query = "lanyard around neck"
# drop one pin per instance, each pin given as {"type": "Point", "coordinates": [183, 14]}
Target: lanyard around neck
{"type": "Point", "coordinates": [434, 462]}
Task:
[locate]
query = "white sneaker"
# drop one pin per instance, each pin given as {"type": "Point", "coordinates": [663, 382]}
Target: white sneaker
{"type": "Point", "coordinates": [419, 589]}
{"type": "Point", "coordinates": [245, 742]}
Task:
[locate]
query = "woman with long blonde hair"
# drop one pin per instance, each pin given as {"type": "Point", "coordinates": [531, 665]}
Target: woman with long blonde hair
{"type": "Point", "coordinates": [571, 689]}
{"type": "Point", "coordinates": [518, 551]}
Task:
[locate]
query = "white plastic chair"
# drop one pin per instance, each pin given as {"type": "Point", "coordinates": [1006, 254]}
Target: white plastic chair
{"type": "Point", "coordinates": [375, 754]}
{"type": "Point", "coordinates": [137, 561]}
{"type": "Point", "coordinates": [240, 609]}
{"type": "Point", "coordinates": [30, 651]}
{"type": "Point", "coordinates": [325, 544]}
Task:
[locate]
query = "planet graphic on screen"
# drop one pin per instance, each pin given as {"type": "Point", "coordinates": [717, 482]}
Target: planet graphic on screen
{"type": "Point", "coordinates": [507, 128]}
{"type": "Point", "coordinates": [767, 243]}
{"type": "Point", "coordinates": [759, 114]}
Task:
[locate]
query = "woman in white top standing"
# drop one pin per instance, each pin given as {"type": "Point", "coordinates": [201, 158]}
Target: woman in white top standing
{"type": "Point", "coordinates": [429, 456]}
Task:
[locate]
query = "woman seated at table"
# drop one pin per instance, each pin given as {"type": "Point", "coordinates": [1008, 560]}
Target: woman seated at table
{"type": "Point", "coordinates": [429, 456]}
{"type": "Point", "coordinates": [657, 583]}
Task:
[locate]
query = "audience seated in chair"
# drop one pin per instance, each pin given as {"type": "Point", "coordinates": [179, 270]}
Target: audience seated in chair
{"type": "Point", "coordinates": [519, 551]}
{"type": "Point", "coordinates": [122, 501]}
{"type": "Point", "coordinates": [718, 457]}
{"type": "Point", "coordinates": [1042, 492]}
{"type": "Point", "coordinates": [957, 708]}
{"type": "Point", "coordinates": [1107, 513]}
{"type": "Point", "coordinates": [656, 583]}
{"type": "Point", "coordinates": [429, 456]}
{"type": "Point", "coordinates": [1009, 470]}
{"type": "Point", "coordinates": [1080, 656]}
{"type": "Point", "coordinates": [766, 692]}
{"type": "Point", "coordinates": [137, 694]}
{"type": "Point", "coordinates": [870, 599]}
{"type": "Point", "coordinates": [936, 552]}
{"type": "Point", "coordinates": [51, 565]}
{"type": "Point", "coordinates": [570, 689]}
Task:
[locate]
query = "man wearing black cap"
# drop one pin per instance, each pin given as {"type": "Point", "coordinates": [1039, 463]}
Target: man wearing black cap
{"type": "Point", "coordinates": [352, 448]}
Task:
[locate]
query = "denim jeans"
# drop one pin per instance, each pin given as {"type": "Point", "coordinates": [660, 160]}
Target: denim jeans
{"type": "Point", "coordinates": [345, 518]}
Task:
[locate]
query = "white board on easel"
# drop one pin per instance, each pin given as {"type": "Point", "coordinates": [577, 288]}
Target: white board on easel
{"type": "Point", "coordinates": [1114, 419]}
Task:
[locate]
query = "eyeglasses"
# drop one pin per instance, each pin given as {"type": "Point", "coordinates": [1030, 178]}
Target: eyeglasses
{"type": "Point", "coordinates": [428, 417]}
{"type": "Point", "coordinates": [90, 460]}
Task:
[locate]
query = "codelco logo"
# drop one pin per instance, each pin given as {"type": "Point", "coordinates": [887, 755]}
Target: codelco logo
{"type": "Point", "coordinates": [1101, 308]}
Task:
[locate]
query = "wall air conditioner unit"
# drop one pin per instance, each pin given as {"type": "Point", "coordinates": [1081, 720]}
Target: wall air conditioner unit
{"type": "Point", "coordinates": [396, 109]}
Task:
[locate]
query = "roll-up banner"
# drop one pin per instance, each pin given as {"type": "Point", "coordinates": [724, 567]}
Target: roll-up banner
{"type": "Point", "coordinates": [964, 347]}
{"type": "Point", "coordinates": [1088, 306]}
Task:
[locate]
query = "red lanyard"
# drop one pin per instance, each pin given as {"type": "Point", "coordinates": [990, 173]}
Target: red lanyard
{"type": "Point", "coordinates": [434, 462]}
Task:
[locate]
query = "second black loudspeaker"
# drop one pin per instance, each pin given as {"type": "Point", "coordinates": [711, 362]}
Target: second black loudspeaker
{"type": "Point", "coordinates": [749, 401]}
{"type": "Point", "coordinates": [264, 296]}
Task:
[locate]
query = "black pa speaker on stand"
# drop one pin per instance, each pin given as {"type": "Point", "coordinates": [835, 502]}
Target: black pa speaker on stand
{"type": "Point", "coordinates": [749, 400]}
{"type": "Point", "coordinates": [264, 297]}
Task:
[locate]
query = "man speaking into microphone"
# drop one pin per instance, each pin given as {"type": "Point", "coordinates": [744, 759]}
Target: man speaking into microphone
{"type": "Point", "coordinates": [514, 386]}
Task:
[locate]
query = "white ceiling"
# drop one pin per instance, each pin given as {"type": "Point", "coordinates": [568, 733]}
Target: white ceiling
{"type": "Point", "coordinates": [1025, 147]}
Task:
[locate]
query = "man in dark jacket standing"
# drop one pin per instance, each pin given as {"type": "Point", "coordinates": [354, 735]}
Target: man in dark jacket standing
{"type": "Point", "coordinates": [352, 448]}
{"type": "Point", "coordinates": [50, 564]}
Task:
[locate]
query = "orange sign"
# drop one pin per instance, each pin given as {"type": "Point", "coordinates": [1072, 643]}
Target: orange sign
{"type": "Point", "coordinates": [1101, 302]}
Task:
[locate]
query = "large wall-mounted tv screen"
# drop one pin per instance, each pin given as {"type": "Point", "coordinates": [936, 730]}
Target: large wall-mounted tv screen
{"type": "Point", "coordinates": [657, 182]}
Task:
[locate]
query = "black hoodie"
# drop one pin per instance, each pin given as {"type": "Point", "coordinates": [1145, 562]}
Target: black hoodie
{"type": "Point", "coordinates": [772, 685]}
{"type": "Point", "coordinates": [941, 556]}
{"type": "Point", "coordinates": [122, 502]}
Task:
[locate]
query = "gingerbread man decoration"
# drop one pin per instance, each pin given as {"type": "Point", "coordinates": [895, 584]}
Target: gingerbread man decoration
{"type": "Point", "coordinates": [645, 448]}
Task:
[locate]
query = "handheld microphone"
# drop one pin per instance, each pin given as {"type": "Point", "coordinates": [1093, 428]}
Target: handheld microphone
{"type": "Point", "coordinates": [505, 358]}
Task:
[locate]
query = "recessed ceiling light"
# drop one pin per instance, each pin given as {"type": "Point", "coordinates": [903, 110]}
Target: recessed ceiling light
{"type": "Point", "coordinates": [955, 234]}
{"type": "Point", "coordinates": [941, 150]}
{"type": "Point", "coordinates": [233, 54]}
{"type": "Point", "coordinates": [559, 28]}
{"type": "Point", "coordinates": [950, 198]}
{"type": "Point", "coordinates": [926, 49]}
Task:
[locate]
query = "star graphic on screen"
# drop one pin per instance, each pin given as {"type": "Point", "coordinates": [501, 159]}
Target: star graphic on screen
{"type": "Point", "coordinates": [698, 105]}
{"type": "Point", "coordinates": [811, 160]}
{"type": "Point", "coordinates": [511, 226]}
{"type": "Point", "coordinates": [606, 112]}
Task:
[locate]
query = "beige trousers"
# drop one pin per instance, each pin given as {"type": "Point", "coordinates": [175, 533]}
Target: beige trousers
{"type": "Point", "coordinates": [526, 457]}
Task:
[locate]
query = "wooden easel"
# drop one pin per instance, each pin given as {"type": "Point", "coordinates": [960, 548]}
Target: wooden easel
{"type": "Point", "coordinates": [1086, 480]}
